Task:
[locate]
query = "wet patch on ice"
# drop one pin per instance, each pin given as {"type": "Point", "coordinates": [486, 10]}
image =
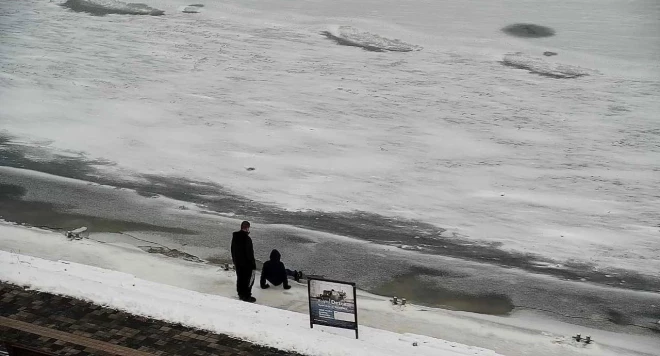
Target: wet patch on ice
{"type": "Point", "coordinates": [415, 286]}
{"type": "Point", "coordinates": [543, 67]}
{"type": "Point", "coordinates": [55, 217]}
{"type": "Point", "coordinates": [107, 7]}
{"type": "Point", "coordinates": [350, 36]}
{"type": "Point", "coordinates": [11, 192]}
{"type": "Point", "coordinates": [618, 318]}
{"type": "Point", "coordinates": [171, 252]}
{"type": "Point", "coordinates": [528, 30]}
{"type": "Point", "coordinates": [219, 260]}
{"type": "Point", "coordinates": [17, 155]}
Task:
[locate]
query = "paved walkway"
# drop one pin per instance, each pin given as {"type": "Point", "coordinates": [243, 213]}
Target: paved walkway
{"type": "Point", "coordinates": [66, 326]}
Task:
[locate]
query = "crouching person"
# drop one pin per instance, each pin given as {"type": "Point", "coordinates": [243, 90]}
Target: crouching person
{"type": "Point", "coordinates": [275, 272]}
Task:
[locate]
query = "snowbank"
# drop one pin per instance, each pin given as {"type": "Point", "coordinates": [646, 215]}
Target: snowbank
{"type": "Point", "coordinates": [255, 323]}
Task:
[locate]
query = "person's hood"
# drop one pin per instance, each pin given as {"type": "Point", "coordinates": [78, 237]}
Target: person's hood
{"type": "Point", "coordinates": [275, 256]}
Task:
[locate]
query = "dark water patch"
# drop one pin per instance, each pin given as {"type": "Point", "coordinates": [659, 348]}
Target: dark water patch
{"type": "Point", "coordinates": [42, 214]}
{"type": "Point", "coordinates": [11, 192]}
{"type": "Point", "coordinates": [618, 318]}
{"type": "Point", "coordinates": [528, 30]}
{"type": "Point", "coordinates": [647, 318]}
{"type": "Point", "coordinates": [415, 287]}
{"type": "Point", "coordinates": [102, 8]}
{"type": "Point", "coordinates": [15, 155]}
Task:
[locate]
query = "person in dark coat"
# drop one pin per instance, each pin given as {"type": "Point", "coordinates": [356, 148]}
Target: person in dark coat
{"type": "Point", "coordinates": [242, 253]}
{"type": "Point", "coordinates": [275, 272]}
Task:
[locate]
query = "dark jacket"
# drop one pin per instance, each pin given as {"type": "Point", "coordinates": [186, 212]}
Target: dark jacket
{"type": "Point", "coordinates": [274, 271]}
{"type": "Point", "coordinates": [242, 252]}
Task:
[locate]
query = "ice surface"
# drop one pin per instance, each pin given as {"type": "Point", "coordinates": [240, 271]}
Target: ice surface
{"type": "Point", "coordinates": [446, 135]}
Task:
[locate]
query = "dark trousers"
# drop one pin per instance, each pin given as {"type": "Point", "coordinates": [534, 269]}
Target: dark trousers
{"type": "Point", "coordinates": [244, 282]}
{"type": "Point", "coordinates": [277, 280]}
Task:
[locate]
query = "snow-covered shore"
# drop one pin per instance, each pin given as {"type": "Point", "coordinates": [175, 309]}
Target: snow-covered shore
{"type": "Point", "coordinates": [202, 295]}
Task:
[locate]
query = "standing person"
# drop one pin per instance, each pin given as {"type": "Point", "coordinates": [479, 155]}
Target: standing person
{"type": "Point", "coordinates": [275, 272]}
{"type": "Point", "coordinates": [242, 253]}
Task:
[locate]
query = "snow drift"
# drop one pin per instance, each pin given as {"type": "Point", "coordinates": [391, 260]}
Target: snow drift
{"type": "Point", "coordinates": [350, 36]}
{"type": "Point", "coordinates": [106, 7]}
{"type": "Point", "coordinates": [542, 67]}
